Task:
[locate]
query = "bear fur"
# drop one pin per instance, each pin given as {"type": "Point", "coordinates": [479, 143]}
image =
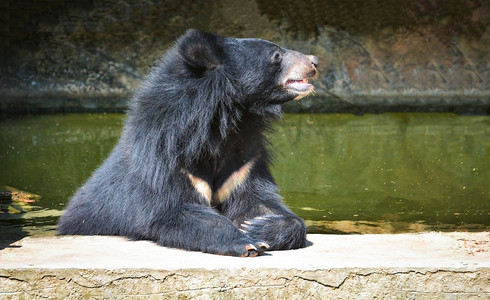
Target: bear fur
{"type": "Point", "coordinates": [191, 168]}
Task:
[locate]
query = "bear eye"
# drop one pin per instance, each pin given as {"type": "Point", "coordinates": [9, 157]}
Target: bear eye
{"type": "Point", "coordinates": [276, 57]}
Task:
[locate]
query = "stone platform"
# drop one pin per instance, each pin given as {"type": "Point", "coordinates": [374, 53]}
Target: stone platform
{"type": "Point", "coordinates": [415, 266]}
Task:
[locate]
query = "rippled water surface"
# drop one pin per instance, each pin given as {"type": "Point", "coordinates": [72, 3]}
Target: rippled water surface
{"type": "Point", "coordinates": [341, 173]}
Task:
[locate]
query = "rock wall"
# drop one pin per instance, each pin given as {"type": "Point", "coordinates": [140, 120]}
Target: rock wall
{"type": "Point", "coordinates": [374, 55]}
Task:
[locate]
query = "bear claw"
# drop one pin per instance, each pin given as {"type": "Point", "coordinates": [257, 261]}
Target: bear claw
{"type": "Point", "coordinates": [250, 247]}
{"type": "Point", "coordinates": [253, 250]}
{"type": "Point", "coordinates": [263, 245]}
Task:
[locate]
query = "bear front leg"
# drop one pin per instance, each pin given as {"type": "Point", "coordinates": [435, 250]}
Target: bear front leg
{"type": "Point", "coordinates": [199, 228]}
{"type": "Point", "coordinates": [258, 211]}
{"type": "Point", "coordinates": [281, 232]}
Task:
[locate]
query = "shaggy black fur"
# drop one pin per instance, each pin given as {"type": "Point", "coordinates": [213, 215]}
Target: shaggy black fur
{"type": "Point", "coordinates": [191, 168]}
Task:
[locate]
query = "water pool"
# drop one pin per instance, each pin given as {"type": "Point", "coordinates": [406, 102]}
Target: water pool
{"type": "Point", "coordinates": [386, 173]}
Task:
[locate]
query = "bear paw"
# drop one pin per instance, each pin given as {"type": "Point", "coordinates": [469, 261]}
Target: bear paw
{"type": "Point", "coordinates": [278, 231]}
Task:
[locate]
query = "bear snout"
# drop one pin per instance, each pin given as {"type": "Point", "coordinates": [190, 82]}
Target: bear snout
{"type": "Point", "coordinates": [298, 68]}
{"type": "Point", "coordinates": [312, 72]}
{"type": "Point", "coordinates": [313, 60]}
{"type": "Point", "coordinates": [314, 63]}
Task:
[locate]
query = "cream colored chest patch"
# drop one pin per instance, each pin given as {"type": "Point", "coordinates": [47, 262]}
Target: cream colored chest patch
{"type": "Point", "coordinates": [201, 186]}
{"type": "Point", "coordinates": [235, 180]}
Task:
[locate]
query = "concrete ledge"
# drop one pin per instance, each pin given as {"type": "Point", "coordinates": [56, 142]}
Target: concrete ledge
{"type": "Point", "coordinates": [421, 266]}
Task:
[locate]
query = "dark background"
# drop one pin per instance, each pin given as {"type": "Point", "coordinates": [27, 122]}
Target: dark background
{"type": "Point", "coordinates": [428, 55]}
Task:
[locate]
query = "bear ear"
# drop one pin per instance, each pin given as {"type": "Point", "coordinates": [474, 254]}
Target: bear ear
{"type": "Point", "coordinates": [201, 51]}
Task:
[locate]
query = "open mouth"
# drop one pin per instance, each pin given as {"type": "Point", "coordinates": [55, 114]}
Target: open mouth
{"type": "Point", "coordinates": [299, 85]}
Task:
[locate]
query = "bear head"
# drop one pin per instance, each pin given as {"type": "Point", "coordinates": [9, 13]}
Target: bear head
{"type": "Point", "coordinates": [260, 74]}
{"type": "Point", "coordinates": [205, 88]}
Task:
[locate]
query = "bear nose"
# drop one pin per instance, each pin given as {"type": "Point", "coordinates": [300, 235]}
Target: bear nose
{"type": "Point", "coordinates": [314, 60]}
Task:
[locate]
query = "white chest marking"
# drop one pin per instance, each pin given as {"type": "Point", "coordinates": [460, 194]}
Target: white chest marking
{"type": "Point", "coordinates": [235, 180]}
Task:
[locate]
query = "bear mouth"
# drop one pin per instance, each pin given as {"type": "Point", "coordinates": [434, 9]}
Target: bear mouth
{"type": "Point", "coordinates": [301, 87]}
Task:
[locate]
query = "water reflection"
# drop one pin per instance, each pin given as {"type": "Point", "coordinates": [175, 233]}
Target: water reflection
{"type": "Point", "coordinates": [341, 173]}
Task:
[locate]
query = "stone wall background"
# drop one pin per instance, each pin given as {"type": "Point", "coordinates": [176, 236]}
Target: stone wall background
{"type": "Point", "coordinates": [429, 55]}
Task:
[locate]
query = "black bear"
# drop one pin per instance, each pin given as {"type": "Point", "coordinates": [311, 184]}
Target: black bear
{"type": "Point", "coordinates": [191, 169]}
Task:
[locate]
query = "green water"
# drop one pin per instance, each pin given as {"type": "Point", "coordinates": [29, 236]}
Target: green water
{"type": "Point", "coordinates": [341, 173]}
